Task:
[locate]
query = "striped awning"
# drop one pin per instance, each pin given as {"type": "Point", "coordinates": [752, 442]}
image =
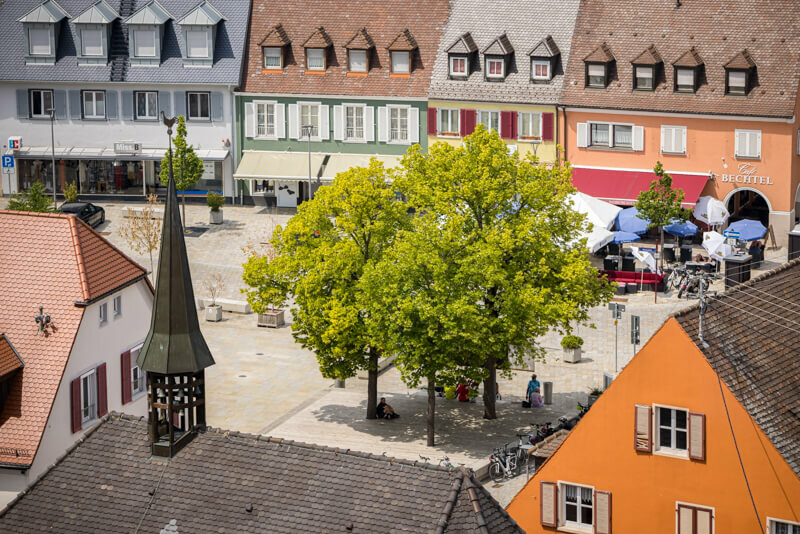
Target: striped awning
{"type": "Point", "coordinates": [341, 162]}
{"type": "Point", "coordinates": [262, 165]}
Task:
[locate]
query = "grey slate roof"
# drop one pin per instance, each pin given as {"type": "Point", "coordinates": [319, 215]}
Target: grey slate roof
{"type": "Point", "coordinates": [49, 12]}
{"type": "Point", "coordinates": [751, 331]}
{"type": "Point", "coordinates": [97, 13]}
{"type": "Point", "coordinates": [150, 13]}
{"type": "Point", "coordinates": [228, 53]}
{"type": "Point", "coordinates": [205, 14]}
{"type": "Point", "coordinates": [525, 25]}
{"type": "Point", "coordinates": [246, 483]}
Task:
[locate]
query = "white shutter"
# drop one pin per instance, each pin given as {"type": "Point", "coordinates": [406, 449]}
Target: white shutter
{"type": "Point", "coordinates": [548, 496]}
{"type": "Point", "coordinates": [638, 138]}
{"type": "Point", "coordinates": [338, 123]}
{"type": "Point", "coordinates": [602, 512]}
{"type": "Point", "coordinates": [583, 132]}
{"type": "Point", "coordinates": [383, 124]}
{"type": "Point", "coordinates": [666, 139]}
{"type": "Point", "coordinates": [413, 125]}
{"type": "Point", "coordinates": [642, 429]}
{"type": "Point", "coordinates": [685, 520]}
{"type": "Point", "coordinates": [757, 136]}
{"type": "Point", "coordinates": [369, 123]}
{"type": "Point", "coordinates": [697, 436]}
{"type": "Point", "coordinates": [324, 123]}
{"type": "Point", "coordinates": [280, 121]}
{"type": "Point", "coordinates": [683, 140]}
{"type": "Point", "coordinates": [294, 121]}
{"type": "Point", "coordinates": [249, 120]}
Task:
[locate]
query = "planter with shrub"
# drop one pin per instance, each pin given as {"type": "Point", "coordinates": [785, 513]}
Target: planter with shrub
{"type": "Point", "coordinates": [215, 202]}
{"type": "Point", "coordinates": [572, 346]}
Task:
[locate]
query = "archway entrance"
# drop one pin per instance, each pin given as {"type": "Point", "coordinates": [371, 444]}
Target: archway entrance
{"type": "Point", "coordinates": [748, 204]}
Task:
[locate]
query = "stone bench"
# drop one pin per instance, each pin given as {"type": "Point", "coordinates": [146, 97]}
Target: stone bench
{"type": "Point", "coordinates": [229, 305]}
{"type": "Point", "coordinates": [138, 210]}
{"type": "Point", "coordinates": [383, 364]}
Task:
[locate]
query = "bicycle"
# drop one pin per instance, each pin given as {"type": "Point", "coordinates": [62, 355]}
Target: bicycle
{"type": "Point", "coordinates": [445, 462]}
{"type": "Point", "coordinates": [502, 464]}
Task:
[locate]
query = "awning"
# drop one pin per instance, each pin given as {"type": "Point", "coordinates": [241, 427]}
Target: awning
{"type": "Point", "coordinates": [341, 162]}
{"type": "Point", "coordinates": [156, 154]}
{"type": "Point", "coordinates": [623, 187]}
{"type": "Point", "coordinates": [262, 165]}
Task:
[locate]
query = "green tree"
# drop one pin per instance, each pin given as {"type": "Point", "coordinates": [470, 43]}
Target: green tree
{"type": "Point", "coordinates": [187, 166]}
{"type": "Point", "coordinates": [661, 204]}
{"type": "Point", "coordinates": [34, 199]}
{"type": "Point", "coordinates": [507, 227]}
{"type": "Point", "coordinates": [321, 255]}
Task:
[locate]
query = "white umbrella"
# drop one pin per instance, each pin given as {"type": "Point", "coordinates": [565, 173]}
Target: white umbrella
{"type": "Point", "coordinates": [644, 257]}
{"type": "Point", "coordinates": [597, 238]}
{"type": "Point", "coordinates": [710, 211]}
{"type": "Point", "coordinates": [598, 212]}
{"type": "Point", "coordinates": [714, 243]}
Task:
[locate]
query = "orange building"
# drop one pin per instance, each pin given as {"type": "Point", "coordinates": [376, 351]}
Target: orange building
{"type": "Point", "coordinates": [710, 90]}
{"type": "Point", "coordinates": [699, 434]}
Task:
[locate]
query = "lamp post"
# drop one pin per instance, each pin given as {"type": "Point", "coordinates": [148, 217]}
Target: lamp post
{"type": "Point", "coordinates": [308, 129]}
{"type": "Point", "coordinates": [52, 113]}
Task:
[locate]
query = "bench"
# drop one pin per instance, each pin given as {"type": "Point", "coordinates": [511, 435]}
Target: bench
{"type": "Point", "coordinates": [629, 277]}
{"type": "Point", "coordinates": [137, 210]}
{"type": "Point", "coordinates": [229, 305]}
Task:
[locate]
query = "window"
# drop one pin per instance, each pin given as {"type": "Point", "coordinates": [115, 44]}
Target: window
{"type": "Point", "coordinates": [89, 395]}
{"type": "Point", "coordinates": [783, 527]}
{"type": "Point", "coordinates": [577, 506]}
{"type": "Point", "coordinates": [198, 106]}
{"type": "Point", "coordinates": [309, 116]}
{"type": "Point", "coordinates": [530, 125]}
{"type": "Point", "coordinates": [737, 82]}
{"type": "Point", "coordinates": [147, 105]}
{"type": "Point", "coordinates": [39, 42]}
{"type": "Point", "coordinates": [265, 119]}
{"type": "Point", "coordinates": [138, 381]}
{"type": "Point", "coordinates": [398, 124]}
{"type": "Point", "coordinates": [540, 70]}
{"type": "Point", "coordinates": [354, 123]}
{"type": "Point", "coordinates": [401, 63]}
{"type": "Point", "coordinates": [448, 121]}
{"type": "Point", "coordinates": [693, 519]}
{"type": "Point", "coordinates": [315, 58]}
{"type": "Point", "coordinates": [273, 58]}
{"type": "Point", "coordinates": [671, 430]}
{"type": "Point", "coordinates": [144, 43]}
{"type": "Point", "coordinates": [103, 313]}
{"type": "Point", "coordinates": [611, 135]}
{"type": "Point", "coordinates": [684, 80]}
{"type": "Point", "coordinates": [357, 60]}
{"type": "Point", "coordinates": [748, 143]}
{"type": "Point", "coordinates": [643, 78]}
{"type": "Point", "coordinates": [673, 139]}
{"type": "Point", "coordinates": [494, 68]}
{"type": "Point", "coordinates": [94, 105]}
{"type": "Point", "coordinates": [595, 75]}
{"type": "Point", "coordinates": [458, 66]}
{"type": "Point", "coordinates": [117, 305]}
{"type": "Point", "coordinates": [92, 42]}
{"type": "Point", "coordinates": [197, 43]}
{"type": "Point", "coordinates": [41, 102]}
{"type": "Point", "coordinates": [599, 135]}
{"type": "Point", "coordinates": [490, 120]}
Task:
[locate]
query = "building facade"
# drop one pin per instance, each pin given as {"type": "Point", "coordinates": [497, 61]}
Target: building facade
{"type": "Point", "coordinates": [714, 98]}
{"type": "Point", "coordinates": [342, 85]}
{"type": "Point", "coordinates": [108, 69]}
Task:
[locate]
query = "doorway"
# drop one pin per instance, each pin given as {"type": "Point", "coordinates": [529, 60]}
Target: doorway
{"type": "Point", "coordinates": [748, 204]}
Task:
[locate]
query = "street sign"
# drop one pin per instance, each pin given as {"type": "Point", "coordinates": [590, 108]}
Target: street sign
{"type": "Point", "coordinates": [8, 162]}
{"type": "Point", "coordinates": [731, 234]}
{"type": "Point", "coordinates": [635, 331]}
{"type": "Point", "coordinates": [616, 310]}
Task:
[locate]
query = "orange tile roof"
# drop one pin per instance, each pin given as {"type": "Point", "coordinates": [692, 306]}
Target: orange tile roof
{"type": "Point", "coordinates": [9, 359]}
{"type": "Point", "coordinates": [58, 262]}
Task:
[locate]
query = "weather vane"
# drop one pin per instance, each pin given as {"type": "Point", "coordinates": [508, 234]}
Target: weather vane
{"type": "Point", "coordinates": [42, 320]}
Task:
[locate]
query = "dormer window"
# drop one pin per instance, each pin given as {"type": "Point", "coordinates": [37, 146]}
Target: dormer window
{"type": "Point", "coordinates": [737, 82]}
{"type": "Point", "coordinates": [596, 75]}
{"type": "Point", "coordinates": [315, 58]}
{"type": "Point", "coordinates": [316, 49]}
{"type": "Point", "coordinates": [647, 67]}
{"type": "Point", "coordinates": [92, 42]}
{"type": "Point", "coordinates": [273, 58]}
{"type": "Point", "coordinates": [684, 80]}
{"type": "Point", "coordinates": [540, 70]}
{"type": "Point", "coordinates": [544, 58]}
{"type": "Point", "coordinates": [273, 47]}
{"type": "Point", "coordinates": [495, 68]}
{"type": "Point", "coordinates": [401, 51]}
{"type": "Point", "coordinates": [93, 27]}
{"type": "Point", "coordinates": [687, 71]}
{"type": "Point", "coordinates": [147, 27]}
{"type": "Point", "coordinates": [497, 57]}
{"type": "Point", "coordinates": [197, 44]}
{"type": "Point", "coordinates": [598, 67]}
{"type": "Point", "coordinates": [357, 60]}
{"type": "Point", "coordinates": [460, 56]}
{"type": "Point", "coordinates": [39, 41]}
{"type": "Point", "coordinates": [41, 29]}
{"type": "Point", "coordinates": [199, 28]}
{"type": "Point", "coordinates": [643, 77]}
{"type": "Point", "coordinates": [739, 73]}
{"type": "Point", "coordinates": [458, 66]}
{"type": "Point", "coordinates": [358, 52]}
{"type": "Point", "coordinates": [401, 63]}
{"type": "Point", "coordinates": [144, 43]}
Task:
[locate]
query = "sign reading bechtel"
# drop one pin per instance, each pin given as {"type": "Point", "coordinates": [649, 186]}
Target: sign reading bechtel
{"type": "Point", "coordinates": [747, 175]}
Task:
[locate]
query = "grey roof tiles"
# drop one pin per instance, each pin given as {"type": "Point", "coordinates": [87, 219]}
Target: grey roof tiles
{"type": "Point", "coordinates": [97, 13]}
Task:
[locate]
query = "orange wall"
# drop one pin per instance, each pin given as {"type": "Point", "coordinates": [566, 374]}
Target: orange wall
{"type": "Point", "coordinates": [599, 452]}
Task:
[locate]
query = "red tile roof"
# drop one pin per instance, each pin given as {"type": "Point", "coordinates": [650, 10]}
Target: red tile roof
{"type": "Point", "coordinates": [54, 261]}
{"type": "Point", "coordinates": [9, 359]}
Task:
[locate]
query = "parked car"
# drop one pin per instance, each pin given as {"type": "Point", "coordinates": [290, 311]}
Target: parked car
{"type": "Point", "coordinates": [92, 215]}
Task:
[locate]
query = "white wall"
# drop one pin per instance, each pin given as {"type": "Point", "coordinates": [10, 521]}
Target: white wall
{"type": "Point", "coordinates": [94, 344]}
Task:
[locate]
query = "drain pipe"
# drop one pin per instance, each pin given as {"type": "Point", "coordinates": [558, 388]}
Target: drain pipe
{"type": "Point", "coordinates": [233, 147]}
{"type": "Point", "coordinates": [564, 146]}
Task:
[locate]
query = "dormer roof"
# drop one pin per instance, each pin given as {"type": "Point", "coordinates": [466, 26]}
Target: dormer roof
{"type": "Point", "coordinates": [465, 44]}
{"type": "Point", "coordinates": [650, 56]}
{"type": "Point", "coordinates": [277, 36]}
{"type": "Point", "coordinates": [98, 13]}
{"type": "Point", "coordinates": [318, 39]}
{"type": "Point", "coordinates": [742, 60]}
{"type": "Point", "coordinates": [499, 47]}
{"type": "Point", "coordinates": [48, 12]}
{"type": "Point", "coordinates": [204, 14]}
{"type": "Point", "coordinates": [601, 54]}
{"type": "Point", "coordinates": [545, 48]}
{"type": "Point", "coordinates": [152, 13]}
{"type": "Point", "coordinates": [10, 359]}
{"type": "Point", "coordinates": [404, 42]}
{"type": "Point", "coordinates": [360, 41]}
{"type": "Point", "coordinates": [690, 58]}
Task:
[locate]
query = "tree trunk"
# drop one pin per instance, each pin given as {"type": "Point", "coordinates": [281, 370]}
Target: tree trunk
{"type": "Point", "coordinates": [489, 408]}
{"type": "Point", "coordinates": [661, 249]}
{"type": "Point", "coordinates": [152, 270]}
{"type": "Point", "coordinates": [372, 384]}
{"type": "Point", "coordinates": [431, 410]}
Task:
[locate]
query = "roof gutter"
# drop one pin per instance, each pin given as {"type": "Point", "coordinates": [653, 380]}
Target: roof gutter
{"type": "Point", "coordinates": [85, 303]}
{"type": "Point", "coordinates": [18, 467]}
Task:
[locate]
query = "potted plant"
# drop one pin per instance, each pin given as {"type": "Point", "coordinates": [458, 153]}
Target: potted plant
{"type": "Point", "coordinates": [70, 192]}
{"type": "Point", "coordinates": [214, 284]}
{"type": "Point", "coordinates": [215, 202]}
{"type": "Point", "coordinates": [268, 290]}
{"type": "Point", "coordinates": [572, 348]}
{"type": "Point", "coordinates": [594, 393]}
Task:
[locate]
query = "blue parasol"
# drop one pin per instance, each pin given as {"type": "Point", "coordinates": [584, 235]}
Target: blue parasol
{"type": "Point", "coordinates": [625, 237]}
{"type": "Point", "coordinates": [749, 230]}
{"type": "Point", "coordinates": [681, 229]}
{"type": "Point", "coordinates": [628, 220]}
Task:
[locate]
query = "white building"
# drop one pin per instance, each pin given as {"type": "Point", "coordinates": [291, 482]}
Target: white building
{"type": "Point", "coordinates": [75, 312]}
{"type": "Point", "coordinates": [108, 69]}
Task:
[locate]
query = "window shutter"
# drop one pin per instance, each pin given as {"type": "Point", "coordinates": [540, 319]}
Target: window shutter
{"type": "Point", "coordinates": [683, 140]}
{"type": "Point", "coordinates": [638, 138]}
{"type": "Point", "coordinates": [737, 142]}
{"type": "Point", "coordinates": [102, 390]}
{"type": "Point", "coordinates": [369, 123]}
{"type": "Point", "coordinates": [127, 106]}
{"type": "Point", "coordinates": [666, 139]}
{"type": "Point", "coordinates": [685, 520]}
{"type": "Point", "coordinates": [505, 124]}
{"type": "Point", "coordinates": [467, 121]}
{"type": "Point", "coordinates": [324, 123]}
{"type": "Point", "coordinates": [548, 498]}
{"type": "Point", "coordinates": [294, 121]}
{"type": "Point", "coordinates": [514, 125]}
{"type": "Point", "coordinates": [757, 136]}
{"type": "Point", "coordinates": [280, 121]}
{"type": "Point", "coordinates": [432, 121]}
{"type": "Point", "coordinates": [697, 436]}
{"type": "Point", "coordinates": [75, 387]}
{"type": "Point", "coordinates": [338, 123]}
{"type": "Point", "coordinates": [23, 101]}
{"type": "Point", "coordinates": [643, 440]}
{"type": "Point", "coordinates": [704, 521]}
{"type": "Point", "coordinates": [125, 365]}
{"type": "Point", "coordinates": [547, 126]}
{"type": "Point", "coordinates": [60, 101]}
{"type": "Point", "coordinates": [383, 124]}
{"type": "Point", "coordinates": [180, 102]}
{"type": "Point", "coordinates": [602, 511]}
{"type": "Point", "coordinates": [164, 103]}
{"type": "Point", "coordinates": [249, 120]}
{"type": "Point", "coordinates": [75, 110]}
{"type": "Point", "coordinates": [583, 133]}
{"type": "Point", "coordinates": [217, 107]}
{"type": "Point", "coordinates": [112, 109]}
{"type": "Point", "coordinates": [413, 125]}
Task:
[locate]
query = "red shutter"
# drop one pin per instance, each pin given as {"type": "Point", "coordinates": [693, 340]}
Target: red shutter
{"type": "Point", "coordinates": [642, 428]}
{"type": "Point", "coordinates": [431, 121]}
{"type": "Point", "coordinates": [697, 436]}
{"type": "Point", "coordinates": [506, 118]}
{"type": "Point", "coordinates": [102, 393]}
{"type": "Point", "coordinates": [547, 126]}
{"type": "Point", "coordinates": [514, 125]}
{"type": "Point", "coordinates": [602, 515]}
{"type": "Point", "coordinates": [548, 500]}
{"type": "Point", "coordinates": [467, 122]}
{"type": "Point", "coordinates": [76, 404]}
{"type": "Point", "coordinates": [125, 364]}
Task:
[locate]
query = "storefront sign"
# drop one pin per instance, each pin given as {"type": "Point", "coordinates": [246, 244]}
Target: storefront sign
{"type": "Point", "coordinates": [747, 175]}
{"type": "Point", "coordinates": [14, 143]}
{"type": "Point", "coordinates": [127, 147]}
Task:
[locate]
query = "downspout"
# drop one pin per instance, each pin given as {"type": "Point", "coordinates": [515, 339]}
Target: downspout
{"type": "Point", "coordinates": [234, 151]}
{"type": "Point", "coordinates": [564, 109]}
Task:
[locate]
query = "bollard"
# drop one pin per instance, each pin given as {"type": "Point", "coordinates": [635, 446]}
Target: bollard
{"type": "Point", "coordinates": [548, 392]}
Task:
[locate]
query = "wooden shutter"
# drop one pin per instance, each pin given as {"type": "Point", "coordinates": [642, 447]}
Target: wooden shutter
{"type": "Point", "coordinates": [514, 125]}
{"type": "Point", "coordinates": [280, 121]}
{"type": "Point", "coordinates": [505, 124]}
{"type": "Point", "coordinates": [75, 390]}
{"type": "Point", "coordinates": [666, 139]}
{"type": "Point", "coordinates": [338, 123]}
{"type": "Point", "coordinates": [583, 135]}
{"type": "Point", "coordinates": [324, 123]}
{"type": "Point", "coordinates": [249, 120]}
{"type": "Point", "coordinates": [697, 436]}
{"type": "Point", "coordinates": [468, 117]}
{"type": "Point", "coordinates": [369, 123]}
{"type": "Point", "coordinates": [125, 365]}
{"type": "Point", "coordinates": [431, 121]}
{"type": "Point", "coordinates": [757, 136]}
{"type": "Point", "coordinates": [549, 504]}
{"type": "Point", "coordinates": [383, 124]}
{"type": "Point", "coordinates": [602, 512]}
{"type": "Point", "coordinates": [642, 431]}
{"type": "Point", "coordinates": [547, 126]}
{"type": "Point", "coordinates": [294, 121]}
{"type": "Point", "coordinates": [413, 125]}
{"type": "Point", "coordinates": [102, 390]}
{"type": "Point", "coordinates": [638, 138]}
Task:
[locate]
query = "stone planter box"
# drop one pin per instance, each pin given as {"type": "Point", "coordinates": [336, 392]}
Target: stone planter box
{"type": "Point", "coordinates": [572, 355]}
{"type": "Point", "coordinates": [214, 314]}
{"type": "Point", "coordinates": [215, 217]}
{"type": "Point", "coordinates": [271, 319]}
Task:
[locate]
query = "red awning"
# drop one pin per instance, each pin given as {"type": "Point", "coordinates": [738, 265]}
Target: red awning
{"type": "Point", "coordinates": [623, 187]}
